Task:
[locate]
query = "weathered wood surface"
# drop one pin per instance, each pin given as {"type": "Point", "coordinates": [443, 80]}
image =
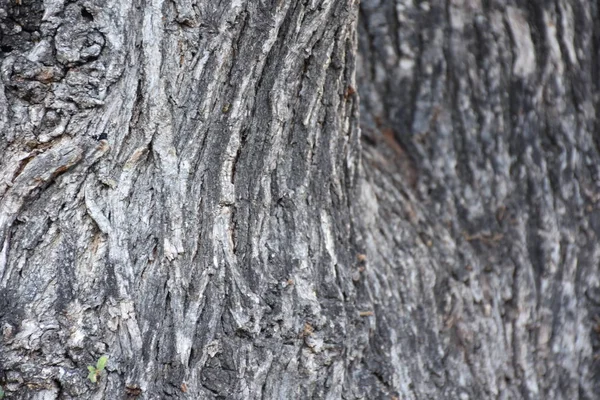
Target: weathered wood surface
{"type": "Point", "coordinates": [184, 188]}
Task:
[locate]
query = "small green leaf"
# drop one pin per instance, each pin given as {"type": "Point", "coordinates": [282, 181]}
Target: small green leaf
{"type": "Point", "coordinates": [1, 392]}
{"type": "Point", "coordinates": [101, 363]}
{"type": "Point", "coordinates": [92, 376]}
{"type": "Point", "coordinates": [91, 369]}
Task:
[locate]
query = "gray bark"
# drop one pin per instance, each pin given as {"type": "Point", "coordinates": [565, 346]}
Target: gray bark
{"type": "Point", "coordinates": [189, 188]}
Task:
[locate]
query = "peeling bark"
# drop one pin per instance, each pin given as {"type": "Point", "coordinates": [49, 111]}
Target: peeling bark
{"type": "Point", "coordinates": [189, 188]}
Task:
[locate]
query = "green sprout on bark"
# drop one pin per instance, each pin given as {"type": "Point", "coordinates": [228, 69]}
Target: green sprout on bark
{"type": "Point", "coordinates": [97, 370]}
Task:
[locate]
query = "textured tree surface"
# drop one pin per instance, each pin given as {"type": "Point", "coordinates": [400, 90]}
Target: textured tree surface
{"type": "Point", "coordinates": [194, 189]}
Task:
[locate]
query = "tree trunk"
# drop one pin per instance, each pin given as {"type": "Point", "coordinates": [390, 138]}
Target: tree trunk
{"type": "Point", "coordinates": [189, 188]}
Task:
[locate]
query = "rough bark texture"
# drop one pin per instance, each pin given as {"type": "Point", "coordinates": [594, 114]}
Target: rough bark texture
{"type": "Point", "coordinates": [489, 110]}
{"type": "Point", "coordinates": [184, 188]}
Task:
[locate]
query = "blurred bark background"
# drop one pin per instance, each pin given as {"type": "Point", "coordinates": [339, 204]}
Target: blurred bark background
{"type": "Point", "coordinates": [242, 199]}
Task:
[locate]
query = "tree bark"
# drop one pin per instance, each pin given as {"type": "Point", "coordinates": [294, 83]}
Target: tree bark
{"type": "Point", "coordinates": [189, 188]}
{"type": "Point", "coordinates": [491, 111]}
